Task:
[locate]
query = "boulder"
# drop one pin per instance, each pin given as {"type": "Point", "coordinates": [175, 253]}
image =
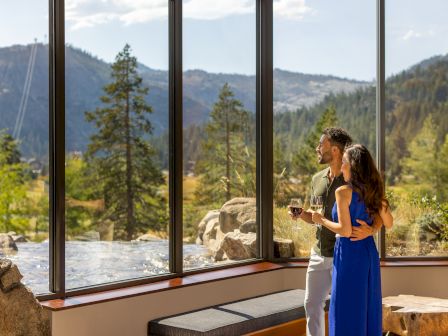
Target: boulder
{"type": "Point", "coordinates": [213, 235]}
{"type": "Point", "coordinates": [283, 248]}
{"type": "Point", "coordinates": [7, 244]}
{"type": "Point", "coordinates": [211, 215]}
{"type": "Point", "coordinates": [236, 212]}
{"type": "Point", "coordinates": [415, 315]}
{"type": "Point", "coordinates": [249, 226]}
{"type": "Point", "coordinates": [237, 246]}
{"type": "Point", "coordinates": [148, 237]}
{"type": "Point", "coordinates": [20, 312]}
{"type": "Point", "coordinates": [17, 238]}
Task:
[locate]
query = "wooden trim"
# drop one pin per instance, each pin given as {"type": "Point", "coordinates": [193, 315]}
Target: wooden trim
{"type": "Point", "coordinates": [199, 279]}
{"type": "Point", "coordinates": [123, 293]}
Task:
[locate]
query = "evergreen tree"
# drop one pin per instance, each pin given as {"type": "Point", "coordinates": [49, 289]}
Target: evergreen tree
{"type": "Point", "coordinates": [305, 161]}
{"type": "Point", "coordinates": [421, 164]}
{"type": "Point", "coordinates": [227, 163]}
{"type": "Point", "coordinates": [121, 155]}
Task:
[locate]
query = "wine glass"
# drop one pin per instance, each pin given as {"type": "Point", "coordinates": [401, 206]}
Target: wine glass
{"type": "Point", "coordinates": [296, 208]}
{"type": "Point", "coordinates": [317, 204]}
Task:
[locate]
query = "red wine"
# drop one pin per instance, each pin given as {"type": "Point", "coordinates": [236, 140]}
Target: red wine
{"type": "Point", "coordinates": [296, 211]}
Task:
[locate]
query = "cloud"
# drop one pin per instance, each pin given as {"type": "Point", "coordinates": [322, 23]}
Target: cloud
{"type": "Point", "coordinates": [89, 13]}
{"type": "Point", "coordinates": [412, 34]}
{"type": "Point", "coordinates": [291, 9]}
{"type": "Point", "coordinates": [217, 9]}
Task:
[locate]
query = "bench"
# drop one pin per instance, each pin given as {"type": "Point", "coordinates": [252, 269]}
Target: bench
{"type": "Point", "coordinates": [235, 318]}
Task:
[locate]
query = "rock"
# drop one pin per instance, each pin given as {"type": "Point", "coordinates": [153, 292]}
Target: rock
{"type": "Point", "coordinates": [236, 212]}
{"type": "Point", "coordinates": [17, 238]}
{"type": "Point", "coordinates": [7, 244]}
{"type": "Point", "coordinates": [283, 248]}
{"type": "Point", "coordinates": [237, 246]}
{"type": "Point", "coordinates": [203, 224]}
{"type": "Point", "coordinates": [415, 315]}
{"type": "Point", "coordinates": [20, 312]}
{"type": "Point", "coordinates": [10, 279]}
{"type": "Point", "coordinates": [249, 226]}
{"type": "Point", "coordinates": [213, 235]}
{"type": "Point", "coordinates": [88, 236]}
{"type": "Point", "coordinates": [148, 237]}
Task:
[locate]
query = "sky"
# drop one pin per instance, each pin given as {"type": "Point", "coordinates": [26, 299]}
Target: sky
{"type": "Point", "coordinates": [331, 37]}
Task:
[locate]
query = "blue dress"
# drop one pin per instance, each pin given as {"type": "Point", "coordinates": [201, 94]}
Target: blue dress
{"type": "Point", "coordinates": [355, 305]}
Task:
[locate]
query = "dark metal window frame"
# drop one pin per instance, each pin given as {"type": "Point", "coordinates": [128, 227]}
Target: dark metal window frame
{"type": "Point", "coordinates": [264, 145]}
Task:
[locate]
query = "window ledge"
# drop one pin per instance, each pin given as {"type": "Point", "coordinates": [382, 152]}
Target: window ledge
{"type": "Point", "coordinates": [201, 278]}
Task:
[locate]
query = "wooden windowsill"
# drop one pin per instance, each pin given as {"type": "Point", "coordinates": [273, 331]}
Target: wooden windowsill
{"type": "Point", "coordinates": [200, 278]}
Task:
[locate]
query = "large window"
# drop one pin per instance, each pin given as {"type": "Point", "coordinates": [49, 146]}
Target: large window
{"type": "Point", "coordinates": [24, 135]}
{"type": "Point", "coordinates": [417, 127]}
{"type": "Point", "coordinates": [116, 153]}
{"type": "Point", "coordinates": [219, 59]}
{"type": "Point", "coordinates": [324, 75]}
{"type": "Point", "coordinates": [122, 105]}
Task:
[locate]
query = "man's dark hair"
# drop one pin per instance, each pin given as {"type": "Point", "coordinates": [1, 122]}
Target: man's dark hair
{"type": "Point", "coordinates": [338, 137]}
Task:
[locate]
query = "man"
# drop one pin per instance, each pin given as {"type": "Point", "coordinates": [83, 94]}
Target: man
{"type": "Point", "coordinates": [324, 183]}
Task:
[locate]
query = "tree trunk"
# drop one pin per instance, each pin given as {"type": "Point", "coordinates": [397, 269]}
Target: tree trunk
{"type": "Point", "coordinates": [227, 156]}
{"type": "Point", "coordinates": [130, 224]}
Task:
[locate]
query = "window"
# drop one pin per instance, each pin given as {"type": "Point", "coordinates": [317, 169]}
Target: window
{"type": "Point", "coordinates": [416, 127]}
{"type": "Point", "coordinates": [219, 59]}
{"type": "Point", "coordinates": [324, 75]}
{"type": "Point", "coordinates": [24, 140]}
{"type": "Point", "coordinates": [116, 155]}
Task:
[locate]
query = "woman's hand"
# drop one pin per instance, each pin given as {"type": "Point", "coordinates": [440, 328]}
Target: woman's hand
{"type": "Point", "coordinates": [317, 218]}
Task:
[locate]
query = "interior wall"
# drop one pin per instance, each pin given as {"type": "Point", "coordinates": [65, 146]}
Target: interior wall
{"type": "Point", "coordinates": [130, 316]}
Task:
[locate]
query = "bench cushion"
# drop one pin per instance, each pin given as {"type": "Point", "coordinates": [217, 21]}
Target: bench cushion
{"type": "Point", "coordinates": [234, 318]}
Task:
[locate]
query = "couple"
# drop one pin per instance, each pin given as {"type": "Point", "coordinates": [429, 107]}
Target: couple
{"type": "Point", "coordinates": [345, 260]}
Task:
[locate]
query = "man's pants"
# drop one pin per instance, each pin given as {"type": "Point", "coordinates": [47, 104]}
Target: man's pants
{"type": "Point", "coordinates": [318, 286]}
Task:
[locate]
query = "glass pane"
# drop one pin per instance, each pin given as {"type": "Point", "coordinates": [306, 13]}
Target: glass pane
{"type": "Point", "coordinates": [116, 141]}
{"type": "Point", "coordinates": [324, 76]}
{"type": "Point", "coordinates": [24, 135]}
{"type": "Point", "coordinates": [219, 60]}
{"type": "Point", "coordinates": [417, 127]}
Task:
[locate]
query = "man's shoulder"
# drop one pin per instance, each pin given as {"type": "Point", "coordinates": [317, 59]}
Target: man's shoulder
{"type": "Point", "coordinates": [321, 174]}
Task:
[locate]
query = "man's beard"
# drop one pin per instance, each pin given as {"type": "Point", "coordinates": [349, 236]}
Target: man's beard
{"type": "Point", "coordinates": [325, 158]}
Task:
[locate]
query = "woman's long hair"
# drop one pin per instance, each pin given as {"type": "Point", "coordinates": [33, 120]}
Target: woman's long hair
{"type": "Point", "coordinates": [365, 178]}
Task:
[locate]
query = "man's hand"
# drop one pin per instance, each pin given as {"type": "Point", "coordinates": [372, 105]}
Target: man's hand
{"type": "Point", "coordinates": [361, 232]}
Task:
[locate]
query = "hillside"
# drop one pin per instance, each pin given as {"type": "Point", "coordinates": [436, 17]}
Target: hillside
{"type": "Point", "coordinates": [86, 76]}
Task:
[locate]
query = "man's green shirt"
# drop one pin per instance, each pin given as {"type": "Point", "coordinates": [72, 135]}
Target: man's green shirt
{"type": "Point", "coordinates": [321, 186]}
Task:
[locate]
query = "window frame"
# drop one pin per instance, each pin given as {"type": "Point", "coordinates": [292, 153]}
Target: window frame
{"type": "Point", "coordinates": [264, 147]}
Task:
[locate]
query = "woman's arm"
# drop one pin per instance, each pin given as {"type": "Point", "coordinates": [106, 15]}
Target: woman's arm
{"type": "Point", "coordinates": [344, 225]}
{"type": "Point", "coordinates": [386, 216]}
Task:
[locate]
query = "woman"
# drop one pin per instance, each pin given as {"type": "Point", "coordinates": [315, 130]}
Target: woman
{"type": "Point", "coordinates": [355, 306]}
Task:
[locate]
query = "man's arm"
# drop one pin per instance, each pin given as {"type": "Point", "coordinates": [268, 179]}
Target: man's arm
{"type": "Point", "coordinates": [365, 230]}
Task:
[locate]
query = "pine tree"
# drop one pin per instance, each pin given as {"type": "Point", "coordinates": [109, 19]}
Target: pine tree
{"type": "Point", "coordinates": [121, 155]}
{"type": "Point", "coordinates": [305, 161]}
{"type": "Point", "coordinates": [421, 163]}
{"type": "Point", "coordinates": [227, 162]}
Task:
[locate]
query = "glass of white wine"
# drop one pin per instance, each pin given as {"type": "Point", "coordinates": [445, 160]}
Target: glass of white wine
{"type": "Point", "coordinates": [317, 204]}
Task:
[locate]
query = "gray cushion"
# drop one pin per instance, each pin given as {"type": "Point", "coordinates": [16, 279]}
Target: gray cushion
{"type": "Point", "coordinates": [234, 318]}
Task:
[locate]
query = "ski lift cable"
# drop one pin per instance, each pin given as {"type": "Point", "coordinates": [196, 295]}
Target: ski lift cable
{"type": "Point", "coordinates": [22, 117]}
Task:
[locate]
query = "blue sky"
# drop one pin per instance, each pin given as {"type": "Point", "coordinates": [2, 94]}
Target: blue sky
{"type": "Point", "coordinates": [310, 36]}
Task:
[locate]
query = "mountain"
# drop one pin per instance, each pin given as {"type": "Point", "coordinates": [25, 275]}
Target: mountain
{"type": "Point", "coordinates": [86, 75]}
